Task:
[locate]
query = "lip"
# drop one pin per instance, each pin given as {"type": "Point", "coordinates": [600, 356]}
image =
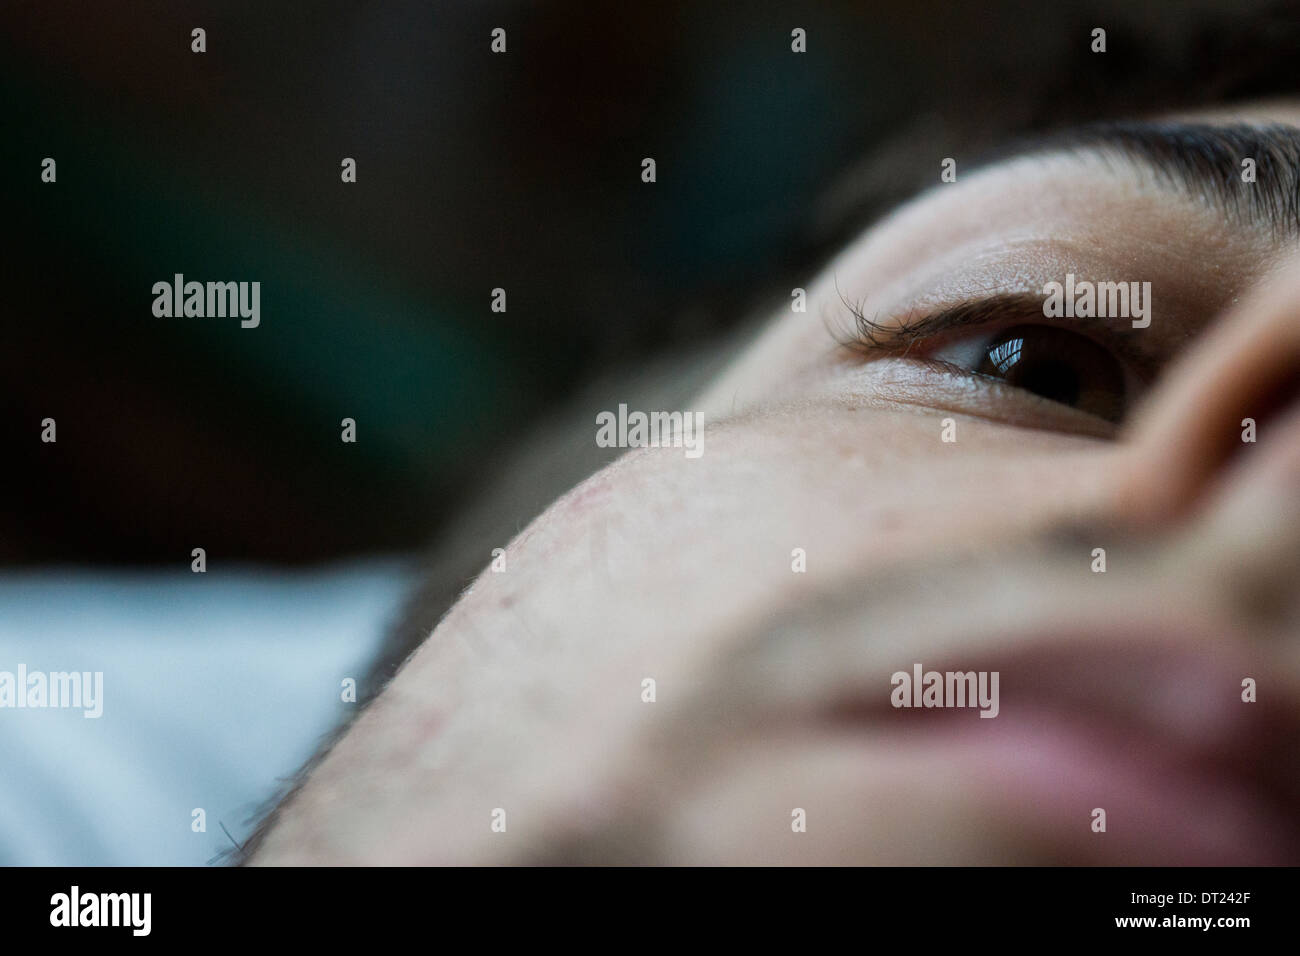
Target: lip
{"type": "Point", "coordinates": [1149, 728]}
{"type": "Point", "coordinates": [1052, 774]}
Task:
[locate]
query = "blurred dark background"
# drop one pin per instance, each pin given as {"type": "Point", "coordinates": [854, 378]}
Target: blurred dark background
{"type": "Point", "coordinates": [475, 171]}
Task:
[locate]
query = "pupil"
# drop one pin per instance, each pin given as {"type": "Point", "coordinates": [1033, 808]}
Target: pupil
{"type": "Point", "coordinates": [1052, 380]}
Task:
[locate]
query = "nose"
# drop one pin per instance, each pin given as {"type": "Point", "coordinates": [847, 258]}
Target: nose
{"type": "Point", "coordinates": [1224, 414]}
{"type": "Point", "coordinates": [1214, 458]}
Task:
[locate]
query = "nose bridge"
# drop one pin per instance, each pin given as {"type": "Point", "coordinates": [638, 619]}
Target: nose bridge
{"type": "Point", "coordinates": [1214, 458]}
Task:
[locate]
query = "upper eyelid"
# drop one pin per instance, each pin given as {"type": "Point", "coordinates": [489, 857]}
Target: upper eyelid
{"type": "Point", "coordinates": [897, 337]}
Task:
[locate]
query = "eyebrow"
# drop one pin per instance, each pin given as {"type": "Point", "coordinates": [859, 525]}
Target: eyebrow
{"type": "Point", "coordinates": [1201, 159]}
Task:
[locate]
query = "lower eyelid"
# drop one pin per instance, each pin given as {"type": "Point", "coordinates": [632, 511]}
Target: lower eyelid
{"type": "Point", "coordinates": [943, 387]}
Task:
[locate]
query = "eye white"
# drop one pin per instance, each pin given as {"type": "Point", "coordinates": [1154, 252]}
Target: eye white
{"type": "Point", "coordinates": [966, 353]}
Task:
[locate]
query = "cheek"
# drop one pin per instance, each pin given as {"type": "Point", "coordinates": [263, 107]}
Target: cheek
{"type": "Point", "coordinates": [654, 564]}
{"type": "Point", "coordinates": [821, 487]}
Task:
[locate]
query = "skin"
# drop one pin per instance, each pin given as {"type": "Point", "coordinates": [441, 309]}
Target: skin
{"type": "Point", "coordinates": [1119, 691]}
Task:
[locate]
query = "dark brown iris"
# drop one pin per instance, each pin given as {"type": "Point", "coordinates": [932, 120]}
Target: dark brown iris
{"type": "Point", "coordinates": [1059, 365]}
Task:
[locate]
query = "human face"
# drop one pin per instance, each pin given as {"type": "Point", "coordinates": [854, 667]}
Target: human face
{"type": "Point", "coordinates": [911, 498]}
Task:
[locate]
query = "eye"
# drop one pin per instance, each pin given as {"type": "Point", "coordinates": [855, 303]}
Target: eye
{"type": "Point", "coordinates": [1048, 361]}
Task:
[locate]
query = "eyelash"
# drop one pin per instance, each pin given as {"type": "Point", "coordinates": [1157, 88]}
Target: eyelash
{"type": "Point", "coordinates": [870, 336]}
